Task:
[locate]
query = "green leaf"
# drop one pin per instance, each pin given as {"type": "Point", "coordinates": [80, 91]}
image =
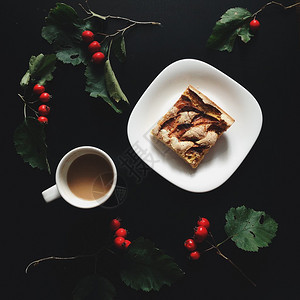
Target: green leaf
{"type": "Point", "coordinates": [29, 140]}
{"type": "Point", "coordinates": [25, 79]}
{"type": "Point", "coordinates": [63, 29]}
{"type": "Point", "coordinates": [72, 55]}
{"type": "Point", "coordinates": [244, 33]}
{"type": "Point", "coordinates": [94, 287]}
{"type": "Point", "coordinates": [147, 268]}
{"type": "Point", "coordinates": [112, 84]}
{"type": "Point", "coordinates": [234, 22]}
{"type": "Point", "coordinates": [95, 85]}
{"type": "Point", "coordinates": [60, 23]}
{"type": "Point", "coordinates": [250, 229]}
{"type": "Point", "coordinates": [40, 69]}
{"type": "Point", "coordinates": [119, 48]}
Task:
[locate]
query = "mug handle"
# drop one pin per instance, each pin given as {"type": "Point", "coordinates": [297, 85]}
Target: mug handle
{"type": "Point", "coordinates": [51, 194]}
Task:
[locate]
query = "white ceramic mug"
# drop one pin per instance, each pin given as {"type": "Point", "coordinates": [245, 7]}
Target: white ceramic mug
{"type": "Point", "coordinates": [61, 188]}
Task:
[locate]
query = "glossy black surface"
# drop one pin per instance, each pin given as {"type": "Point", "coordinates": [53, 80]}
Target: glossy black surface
{"type": "Point", "coordinates": [267, 180]}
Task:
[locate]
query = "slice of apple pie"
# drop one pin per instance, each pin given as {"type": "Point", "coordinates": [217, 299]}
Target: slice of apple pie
{"type": "Point", "coordinates": [192, 126]}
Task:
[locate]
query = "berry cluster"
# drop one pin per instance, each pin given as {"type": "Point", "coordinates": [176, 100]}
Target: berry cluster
{"type": "Point", "coordinates": [120, 241]}
{"type": "Point", "coordinates": [94, 47]}
{"type": "Point", "coordinates": [44, 97]}
{"type": "Point", "coordinates": [200, 234]}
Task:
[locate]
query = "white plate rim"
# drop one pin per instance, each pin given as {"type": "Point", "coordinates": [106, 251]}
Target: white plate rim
{"type": "Point", "coordinates": [187, 61]}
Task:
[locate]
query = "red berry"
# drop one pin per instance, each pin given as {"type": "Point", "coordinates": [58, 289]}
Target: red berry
{"type": "Point", "coordinates": [43, 120]}
{"type": "Point", "coordinates": [119, 242]}
{"type": "Point", "coordinates": [87, 36]}
{"type": "Point", "coordinates": [203, 222]}
{"type": "Point", "coordinates": [127, 243]}
{"type": "Point", "coordinates": [114, 224]}
{"type": "Point", "coordinates": [38, 89]}
{"type": "Point", "coordinates": [98, 57]}
{"type": "Point", "coordinates": [45, 97]}
{"type": "Point", "coordinates": [190, 245]}
{"type": "Point", "coordinates": [94, 47]}
{"type": "Point", "coordinates": [254, 25]}
{"type": "Point", "coordinates": [195, 255]}
{"type": "Point", "coordinates": [121, 232]}
{"type": "Point", "coordinates": [200, 234]}
{"type": "Point", "coordinates": [44, 110]}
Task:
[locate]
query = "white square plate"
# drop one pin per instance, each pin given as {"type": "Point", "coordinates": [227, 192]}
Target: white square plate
{"type": "Point", "coordinates": [229, 151]}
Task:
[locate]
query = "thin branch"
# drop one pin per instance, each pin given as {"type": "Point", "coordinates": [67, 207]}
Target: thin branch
{"type": "Point", "coordinates": [276, 3]}
{"type": "Point", "coordinates": [132, 21]}
{"type": "Point", "coordinates": [216, 246]}
{"type": "Point", "coordinates": [92, 14]}
{"type": "Point", "coordinates": [238, 268]}
{"type": "Point", "coordinates": [87, 11]}
{"type": "Point", "coordinates": [119, 31]}
{"type": "Point", "coordinates": [228, 259]}
{"type": "Point", "coordinates": [109, 48]}
{"type": "Point", "coordinates": [22, 98]}
{"type": "Point", "coordinates": [35, 112]}
{"type": "Point", "coordinates": [26, 104]}
{"type": "Point", "coordinates": [221, 243]}
{"type": "Point", "coordinates": [36, 262]}
{"type": "Point", "coordinates": [208, 249]}
{"type": "Point", "coordinates": [24, 111]}
{"type": "Point", "coordinates": [212, 238]}
{"type": "Point", "coordinates": [211, 247]}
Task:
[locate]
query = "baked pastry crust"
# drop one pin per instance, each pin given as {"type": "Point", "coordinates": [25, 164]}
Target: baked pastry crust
{"type": "Point", "coordinates": [192, 126]}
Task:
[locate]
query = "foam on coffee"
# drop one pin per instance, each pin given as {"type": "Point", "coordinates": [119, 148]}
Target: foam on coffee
{"type": "Point", "coordinates": [90, 177]}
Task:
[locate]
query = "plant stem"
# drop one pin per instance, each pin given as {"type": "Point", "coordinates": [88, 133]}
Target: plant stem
{"type": "Point", "coordinates": [109, 48]}
{"type": "Point", "coordinates": [276, 3]}
{"type": "Point", "coordinates": [221, 243]}
{"type": "Point", "coordinates": [35, 262]}
{"type": "Point", "coordinates": [218, 251]}
{"type": "Point", "coordinates": [22, 98]}
{"type": "Point", "coordinates": [122, 31]}
{"type": "Point", "coordinates": [238, 268]}
{"type": "Point", "coordinates": [215, 245]}
{"type": "Point", "coordinates": [208, 249]}
{"type": "Point", "coordinates": [26, 104]}
{"type": "Point", "coordinates": [24, 111]}
{"type": "Point", "coordinates": [92, 14]}
{"type": "Point", "coordinates": [212, 237]}
{"type": "Point", "coordinates": [133, 21]}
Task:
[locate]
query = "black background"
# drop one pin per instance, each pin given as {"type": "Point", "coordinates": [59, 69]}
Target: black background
{"type": "Point", "coordinates": [267, 180]}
